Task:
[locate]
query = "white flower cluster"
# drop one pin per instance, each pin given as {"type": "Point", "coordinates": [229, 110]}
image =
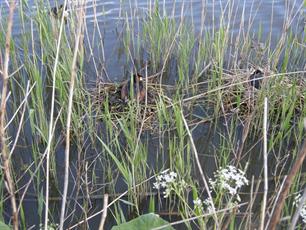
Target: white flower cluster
{"type": "Point", "coordinates": [296, 202]}
{"type": "Point", "coordinates": [169, 182]}
{"type": "Point", "coordinates": [208, 204]}
{"type": "Point", "coordinates": [229, 179]}
{"type": "Point", "coordinates": [197, 202]}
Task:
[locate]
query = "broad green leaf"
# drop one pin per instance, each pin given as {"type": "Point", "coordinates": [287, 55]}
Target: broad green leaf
{"type": "Point", "coordinates": [144, 222]}
{"type": "Point", "coordinates": [3, 226]}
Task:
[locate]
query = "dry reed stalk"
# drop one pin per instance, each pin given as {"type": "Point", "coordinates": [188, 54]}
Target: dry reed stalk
{"type": "Point", "coordinates": [245, 133]}
{"type": "Point", "coordinates": [253, 195]}
{"type": "Point", "coordinates": [265, 158]}
{"type": "Point", "coordinates": [195, 152]}
{"type": "Point", "coordinates": [51, 122]}
{"type": "Point", "coordinates": [274, 205]}
{"type": "Point", "coordinates": [87, 193]}
{"type": "Point", "coordinates": [86, 205]}
{"type": "Point", "coordinates": [287, 185]}
{"type": "Point", "coordinates": [25, 100]}
{"type": "Point", "coordinates": [226, 224]}
{"type": "Point", "coordinates": [201, 216]}
{"type": "Point", "coordinates": [1, 63]}
{"type": "Point", "coordinates": [115, 200]}
{"type": "Point", "coordinates": [33, 174]}
{"type": "Point", "coordinates": [251, 204]}
{"type": "Point", "coordinates": [9, 183]}
{"type": "Point", "coordinates": [191, 98]}
{"type": "Point", "coordinates": [21, 119]}
{"type": "Point", "coordinates": [104, 214]}
{"type": "Point", "coordinates": [69, 112]}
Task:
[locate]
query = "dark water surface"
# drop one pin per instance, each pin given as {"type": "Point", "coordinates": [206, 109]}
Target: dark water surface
{"type": "Point", "coordinates": [269, 16]}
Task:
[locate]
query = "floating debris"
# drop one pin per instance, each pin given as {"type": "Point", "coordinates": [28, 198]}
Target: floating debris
{"type": "Point", "coordinates": [118, 98]}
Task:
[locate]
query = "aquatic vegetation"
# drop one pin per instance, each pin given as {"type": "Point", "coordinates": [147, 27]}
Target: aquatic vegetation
{"type": "Point", "coordinates": [169, 182]}
{"type": "Point", "coordinates": [229, 180]}
{"type": "Point", "coordinates": [208, 205]}
{"type": "Point", "coordinates": [204, 73]}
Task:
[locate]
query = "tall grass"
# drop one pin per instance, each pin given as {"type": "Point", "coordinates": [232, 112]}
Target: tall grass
{"type": "Point", "coordinates": [203, 80]}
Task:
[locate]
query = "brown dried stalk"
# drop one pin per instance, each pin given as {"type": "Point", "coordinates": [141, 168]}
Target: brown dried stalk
{"type": "Point", "coordinates": [115, 200]}
{"type": "Point", "coordinates": [287, 184]}
{"type": "Point", "coordinates": [196, 155]}
{"type": "Point", "coordinates": [69, 113]}
{"type": "Point", "coordinates": [4, 149]}
{"type": "Point", "coordinates": [104, 214]}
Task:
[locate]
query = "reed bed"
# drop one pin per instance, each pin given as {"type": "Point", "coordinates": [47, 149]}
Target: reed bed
{"type": "Point", "coordinates": [205, 149]}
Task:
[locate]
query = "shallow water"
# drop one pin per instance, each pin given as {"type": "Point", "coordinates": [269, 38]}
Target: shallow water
{"type": "Point", "coordinates": [268, 16]}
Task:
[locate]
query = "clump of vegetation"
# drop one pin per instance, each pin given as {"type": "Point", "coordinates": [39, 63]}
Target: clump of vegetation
{"type": "Point", "coordinates": [221, 102]}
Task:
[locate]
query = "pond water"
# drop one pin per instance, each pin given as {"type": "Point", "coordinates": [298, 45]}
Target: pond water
{"type": "Point", "coordinates": [268, 16]}
{"type": "Point", "coordinates": [108, 64]}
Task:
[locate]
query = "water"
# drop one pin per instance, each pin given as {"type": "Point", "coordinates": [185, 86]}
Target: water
{"type": "Point", "coordinates": [110, 65]}
{"type": "Point", "coordinates": [110, 16]}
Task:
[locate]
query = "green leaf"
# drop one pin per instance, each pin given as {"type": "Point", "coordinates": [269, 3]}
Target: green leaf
{"type": "Point", "coordinates": [144, 222]}
{"type": "Point", "coordinates": [121, 167]}
{"type": "Point", "coordinates": [3, 226]}
{"type": "Point", "coordinates": [127, 202]}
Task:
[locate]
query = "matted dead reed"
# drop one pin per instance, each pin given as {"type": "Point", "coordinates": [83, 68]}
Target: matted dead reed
{"type": "Point", "coordinates": [107, 96]}
{"type": "Point", "coordinates": [237, 94]}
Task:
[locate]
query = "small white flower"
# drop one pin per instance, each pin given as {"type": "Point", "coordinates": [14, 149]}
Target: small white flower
{"type": "Point", "coordinates": [169, 182]}
{"type": "Point", "coordinates": [160, 177]}
{"type": "Point", "coordinates": [208, 204]}
{"type": "Point", "coordinates": [173, 174]}
{"type": "Point", "coordinates": [296, 202]}
{"type": "Point", "coordinates": [156, 185]}
{"type": "Point", "coordinates": [167, 192]}
{"type": "Point", "coordinates": [197, 202]}
{"type": "Point", "coordinates": [229, 179]}
{"type": "Point", "coordinates": [183, 184]}
{"type": "Point", "coordinates": [169, 179]}
{"type": "Point", "coordinates": [163, 184]}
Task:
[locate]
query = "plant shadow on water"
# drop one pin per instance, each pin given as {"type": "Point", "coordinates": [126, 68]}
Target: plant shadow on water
{"type": "Point", "coordinates": [199, 63]}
